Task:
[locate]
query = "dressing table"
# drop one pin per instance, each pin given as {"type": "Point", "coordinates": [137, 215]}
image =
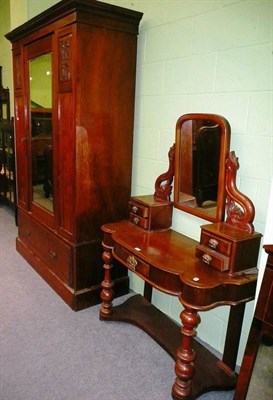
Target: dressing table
{"type": "Point", "coordinates": [218, 270]}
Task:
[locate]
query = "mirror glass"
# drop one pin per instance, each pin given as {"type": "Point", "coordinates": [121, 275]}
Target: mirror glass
{"type": "Point", "coordinates": [201, 148]}
{"type": "Point", "coordinates": [40, 84]}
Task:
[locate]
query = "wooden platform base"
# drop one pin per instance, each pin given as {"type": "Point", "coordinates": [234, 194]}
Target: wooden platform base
{"type": "Point", "coordinates": [210, 373]}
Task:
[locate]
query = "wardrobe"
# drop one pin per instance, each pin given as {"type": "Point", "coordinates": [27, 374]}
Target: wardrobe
{"type": "Point", "coordinates": [74, 69]}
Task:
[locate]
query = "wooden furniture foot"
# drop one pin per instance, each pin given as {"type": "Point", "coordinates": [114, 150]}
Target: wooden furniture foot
{"type": "Point", "coordinates": [184, 366]}
{"type": "Point", "coordinates": [107, 293]}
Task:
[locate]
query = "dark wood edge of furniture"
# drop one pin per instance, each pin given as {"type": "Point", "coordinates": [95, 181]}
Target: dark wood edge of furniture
{"type": "Point", "coordinates": [262, 326]}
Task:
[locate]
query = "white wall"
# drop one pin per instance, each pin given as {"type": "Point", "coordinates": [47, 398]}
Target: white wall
{"type": "Point", "coordinates": [5, 48]}
{"type": "Point", "coordinates": [205, 56]}
{"type": "Point", "coordinates": [35, 7]}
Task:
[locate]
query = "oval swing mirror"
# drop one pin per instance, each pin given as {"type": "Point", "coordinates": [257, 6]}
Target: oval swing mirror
{"type": "Point", "coordinates": [201, 149]}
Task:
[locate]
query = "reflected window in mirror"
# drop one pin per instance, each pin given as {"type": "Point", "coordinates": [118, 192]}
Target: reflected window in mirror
{"type": "Point", "coordinates": [40, 84]}
{"type": "Point", "coordinates": [201, 149]}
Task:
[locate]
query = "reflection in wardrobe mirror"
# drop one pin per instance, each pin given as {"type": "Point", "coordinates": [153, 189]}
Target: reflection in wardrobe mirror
{"type": "Point", "coordinates": [40, 83]}
{"type": "Point", "coordinates": [201, 149]}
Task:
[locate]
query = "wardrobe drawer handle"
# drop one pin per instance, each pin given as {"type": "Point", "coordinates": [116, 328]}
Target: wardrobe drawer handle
{"type": "Point", "coordinates": [135, 209]}
{"type": "Point", "coordinates": [136, 220]}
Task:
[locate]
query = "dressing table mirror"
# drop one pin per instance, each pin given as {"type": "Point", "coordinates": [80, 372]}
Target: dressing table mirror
{"type": "Point", "coordinates": [218, 270]}
{"type": "Point", "coordinates": [201, 149]}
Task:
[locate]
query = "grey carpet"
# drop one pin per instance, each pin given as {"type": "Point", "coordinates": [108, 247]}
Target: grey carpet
{"type": "Point", "coordinates": [49, 352]}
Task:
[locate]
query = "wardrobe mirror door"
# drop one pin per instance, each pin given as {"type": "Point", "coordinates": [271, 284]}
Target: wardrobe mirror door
{"type": "Point", "coordinates": [40, 86]}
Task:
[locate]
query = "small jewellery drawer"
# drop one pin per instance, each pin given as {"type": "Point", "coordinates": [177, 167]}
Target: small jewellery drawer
{"type": "Point", "coordinates": [131, 261]}
{"type": "Point", "coordinates": [215, 243]}
{"type": "Point", "coordinates": [212, 258]}
{"type": "Point", "coordinates": [149, 213]}
{"type": "Point", "coordinates": [135, 219]}
{"type": "Point", "coordinates": [228, 248]}
{"type": "Point", "coordinates": [138, 209]}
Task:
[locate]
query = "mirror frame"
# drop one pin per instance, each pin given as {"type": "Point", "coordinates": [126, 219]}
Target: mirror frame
{"type": "Point", "coordinates": [224, 151]}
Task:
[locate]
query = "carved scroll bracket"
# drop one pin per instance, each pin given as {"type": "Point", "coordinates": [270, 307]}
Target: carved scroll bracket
{"type": "Point", "coordinates": [240, 209]}
{"type": "Point", "coordinates": [163, 184]}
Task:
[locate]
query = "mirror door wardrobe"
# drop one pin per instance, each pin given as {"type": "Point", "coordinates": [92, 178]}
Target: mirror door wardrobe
{"type": "Point", "coordinates": [201, 149]}
{"type": "Point", "coordinates": [73, 149]}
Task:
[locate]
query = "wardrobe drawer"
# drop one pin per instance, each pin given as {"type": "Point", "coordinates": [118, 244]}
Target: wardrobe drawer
{"type": "Point", "coordinates": [50, 249]}
{"type": "Point", "coordinates": [131, 261]}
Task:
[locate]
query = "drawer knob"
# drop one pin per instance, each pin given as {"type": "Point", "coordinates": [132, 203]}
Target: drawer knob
{"type": "Point", "coordinates": [136, 220]}
{"type": "Point", "coordinates": [53, 254]}
{"type": "Point", "coordinates": [26, 232]}
{"type": "Point", "coordinates": [213, 243]}
{"type": "Point", "coordinates": [135, 209]}
{"type": "Point", "coordinates": [132, 262]}
{"type": "Point", "coordinates": [206, 258]}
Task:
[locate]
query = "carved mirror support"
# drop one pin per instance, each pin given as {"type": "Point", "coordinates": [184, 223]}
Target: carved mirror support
{"type": "Point", "coordinates": [163, 184]}
{"type": "Point", "coordinates": [240, 209]}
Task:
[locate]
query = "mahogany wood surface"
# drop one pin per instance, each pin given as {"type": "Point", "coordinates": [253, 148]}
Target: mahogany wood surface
{"type": "Point", "coordinates": [166, 260]}
{"type": "Point", "coordinates": [241, 216]}
{"type": "Point", "coordinates": [93, 48]}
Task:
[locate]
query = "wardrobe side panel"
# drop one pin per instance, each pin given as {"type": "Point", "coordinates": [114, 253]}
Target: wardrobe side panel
{"type": "Point", "coordinates": [104, 134]}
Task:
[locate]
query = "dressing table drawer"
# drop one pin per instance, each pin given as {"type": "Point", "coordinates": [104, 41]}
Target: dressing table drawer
{"type": "Point", "coordinates": [138, 209]}
{"type": "Point", "coordinates": [212, 258]}
{"type": "Point", "coordinates": [131, 261]}
{"type": "Point", "coordinates": [216, 243]}
{"type": "Point", "coordinates": [140, 221]}
{"type": "Point", "coordinates": [150, 213]}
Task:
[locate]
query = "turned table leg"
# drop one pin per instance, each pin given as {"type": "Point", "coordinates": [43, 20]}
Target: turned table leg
{"type": "Point", "coordinates": [107, 293]}
{"type": "Point", "coordinates": [184, 367]}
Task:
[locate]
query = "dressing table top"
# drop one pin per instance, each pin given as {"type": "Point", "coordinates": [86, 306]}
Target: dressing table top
{"type": "Point", "coordinates": [172, 267]}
